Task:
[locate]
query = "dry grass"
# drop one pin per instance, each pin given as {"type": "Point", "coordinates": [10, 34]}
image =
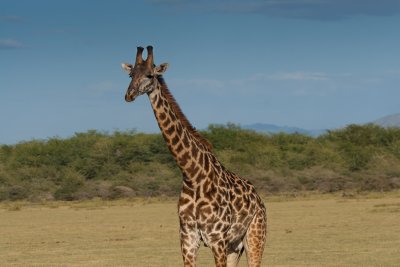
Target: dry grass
{"type": "Point", "coordinates": [303, 231]}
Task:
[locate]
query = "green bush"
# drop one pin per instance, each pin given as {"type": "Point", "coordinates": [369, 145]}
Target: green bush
{"type": "Point", "coordinates": [72, 181]}
{"type": "Point", "coordinates": [120, 164]}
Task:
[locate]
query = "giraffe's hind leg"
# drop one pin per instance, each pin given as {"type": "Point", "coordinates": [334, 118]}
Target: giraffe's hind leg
{"type": "Point", "coordinates": [254, 240]}
{"type": "Point", "coordinates": [234, 257]}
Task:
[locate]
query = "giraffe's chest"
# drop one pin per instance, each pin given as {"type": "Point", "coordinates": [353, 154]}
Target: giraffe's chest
{"type": "Point", "coordinates": [228, 225]}
{"type": "Point", "coordinates": [215, 219]}
{"type": "Point", "coordinates": [208, 217]}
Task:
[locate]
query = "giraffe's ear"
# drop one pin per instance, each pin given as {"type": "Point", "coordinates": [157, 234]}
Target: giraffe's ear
{"type": "Point", "coordinates": [127, 67]}
{"type": "Point", "coordinates": [159, 70]}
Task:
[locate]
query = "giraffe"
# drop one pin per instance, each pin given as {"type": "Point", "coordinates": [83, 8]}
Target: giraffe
{"type": "Point", "coordinates": [216, 207]}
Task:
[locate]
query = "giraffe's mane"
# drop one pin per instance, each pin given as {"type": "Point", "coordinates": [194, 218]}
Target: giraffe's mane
{"type": "Point", "coordinates": [179, 114]}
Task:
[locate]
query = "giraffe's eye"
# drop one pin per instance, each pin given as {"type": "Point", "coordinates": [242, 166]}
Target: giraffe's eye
{"type": "Point", "coordinates": [150, 76]}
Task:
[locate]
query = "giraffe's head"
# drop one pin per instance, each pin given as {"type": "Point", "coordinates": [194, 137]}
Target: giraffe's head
{"type": "Point", "coordinates": [144, 74]}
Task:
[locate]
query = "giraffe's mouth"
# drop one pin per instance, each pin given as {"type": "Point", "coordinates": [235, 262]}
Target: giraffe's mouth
{"type": "Point", "coordinates": [129, 97]}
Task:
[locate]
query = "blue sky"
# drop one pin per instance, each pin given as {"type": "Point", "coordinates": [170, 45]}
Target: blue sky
{"type": "Point", "coordinates": [315, 64]}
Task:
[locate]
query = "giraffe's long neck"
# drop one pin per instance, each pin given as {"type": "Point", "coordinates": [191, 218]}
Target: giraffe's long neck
{"type": "Point", "coordinates": [190, 150]}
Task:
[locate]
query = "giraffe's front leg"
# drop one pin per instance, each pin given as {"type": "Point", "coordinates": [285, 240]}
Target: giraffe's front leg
{"type": "Point", "coordinates": [190, 243]}
{"type": "Point", "coordinates": [219, 250]}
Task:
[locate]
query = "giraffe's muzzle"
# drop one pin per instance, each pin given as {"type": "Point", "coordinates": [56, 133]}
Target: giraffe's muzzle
{"type": "Point", "coordinates": [129, 97]}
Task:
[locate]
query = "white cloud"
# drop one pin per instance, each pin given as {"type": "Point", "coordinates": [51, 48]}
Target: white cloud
{"type": "Point", "coordinates": [298, 9]}
{"type": "Point", "coordinates": [11, 18]}
{"type": "Point", "coordinates": [394, 72]}
{"type": "Point", "coordinates": [253, 82]}
{"type": "Point", "coordinates": [299, 76]}
{"type": "Point", "coordinates": [202, 83]}
{"type": "Point", "coordinates": [297, 83]}
{"type": "Point", "coordinates": [104, 87]}
{"type": "Point", "coordinates": [11, 44]}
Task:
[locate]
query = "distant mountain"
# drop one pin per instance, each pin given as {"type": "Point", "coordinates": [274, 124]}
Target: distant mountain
{"type": "Point", "coordinates": [271, 128]}
{"type": "Point", "coordinates": [389, 121]}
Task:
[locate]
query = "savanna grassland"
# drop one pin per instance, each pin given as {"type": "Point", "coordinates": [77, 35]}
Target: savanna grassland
{"type": "Point", "coordinates": [100, 199]}
{"type": "Point", "coordinates": [310, 230]}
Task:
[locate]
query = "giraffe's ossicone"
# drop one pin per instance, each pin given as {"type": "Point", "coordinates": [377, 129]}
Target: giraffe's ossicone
{"type": "Point", "coordinates": [216, 206]}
